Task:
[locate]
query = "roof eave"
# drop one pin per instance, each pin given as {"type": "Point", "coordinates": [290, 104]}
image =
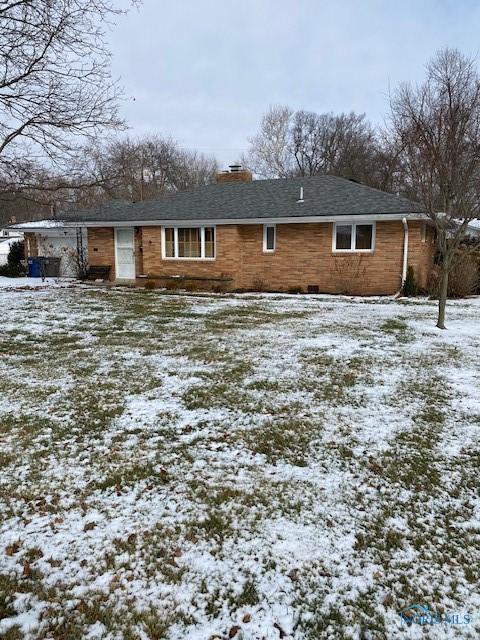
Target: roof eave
{"type": "Point", "coordinates": [378, 217]}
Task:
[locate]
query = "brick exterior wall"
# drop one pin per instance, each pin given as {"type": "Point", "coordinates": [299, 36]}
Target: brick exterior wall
{"type": "Point", "coordinates": [138, 250]}
{"type": "Point", "coordinates": [421, 254]}
{"type": "Point", "coordinates": [303, 256]}
{"type": "Point", "coordinates": [101, 248]}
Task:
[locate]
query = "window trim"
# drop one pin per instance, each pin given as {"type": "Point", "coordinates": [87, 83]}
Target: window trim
{"type": "Point", "coordinates": [354, 236]}
{"type": "Point", "coordinates": [202, 256]}
{"type": "Point", "coordinates": [265, 227]}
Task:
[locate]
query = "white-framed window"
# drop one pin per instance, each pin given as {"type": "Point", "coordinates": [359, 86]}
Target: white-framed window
{"type": "Point", "coordinates": [188, 243]}
{"type": "Point", "coordinates": [353, 236]}
{"type": "Point", "coordinates": [269, 238]}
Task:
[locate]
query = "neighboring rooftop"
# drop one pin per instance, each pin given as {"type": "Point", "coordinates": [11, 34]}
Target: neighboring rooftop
{"type": "Point", "coordinates": [49, 223]}
{"type": "Point", "coordinates": [322, 196]}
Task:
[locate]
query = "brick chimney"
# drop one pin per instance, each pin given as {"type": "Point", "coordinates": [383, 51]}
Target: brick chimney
{"type": "Point", "coordinates": [236, 174]}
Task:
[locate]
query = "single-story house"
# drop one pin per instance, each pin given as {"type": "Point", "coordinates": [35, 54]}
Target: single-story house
{"type": "Point", "coordinates": [320, 233]}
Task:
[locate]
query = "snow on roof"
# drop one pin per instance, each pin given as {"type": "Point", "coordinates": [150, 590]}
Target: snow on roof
{"type": "Point", "coordinates": [38, 224]}
{"type": "Point", "coordinates": [473, 228]}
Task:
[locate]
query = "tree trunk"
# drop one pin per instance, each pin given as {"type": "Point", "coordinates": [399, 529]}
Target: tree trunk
{"type": "Point", "coordinates": [442, 298]}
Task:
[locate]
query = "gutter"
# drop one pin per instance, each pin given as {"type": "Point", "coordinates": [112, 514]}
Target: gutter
{"type": "Point", "coordinates": [226, 221]}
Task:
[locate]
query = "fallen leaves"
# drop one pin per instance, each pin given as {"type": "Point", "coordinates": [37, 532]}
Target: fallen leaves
{"type": "Point", "coordinates": [12, 549]}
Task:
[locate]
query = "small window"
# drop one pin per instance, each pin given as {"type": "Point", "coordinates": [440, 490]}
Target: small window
{"type": "Point", "coordinates": [269, 237]}
{"type": "Point", "coordinates": [353, 237]}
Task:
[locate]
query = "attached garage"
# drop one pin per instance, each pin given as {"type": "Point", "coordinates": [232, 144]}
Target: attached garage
{"type": "Point", "coordinates": [67, 244]}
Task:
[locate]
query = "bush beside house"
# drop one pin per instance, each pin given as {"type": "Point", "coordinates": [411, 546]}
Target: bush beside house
{"type": "Point", "coordinates": [14, 267]}
{"type": "Point", "coordinates": [464, 279]}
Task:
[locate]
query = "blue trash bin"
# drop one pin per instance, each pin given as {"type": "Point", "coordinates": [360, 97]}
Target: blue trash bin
{"type": "Point", "coordinates": [34, 268]}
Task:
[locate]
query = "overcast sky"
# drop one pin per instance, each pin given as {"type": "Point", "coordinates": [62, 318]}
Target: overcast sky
{"type": "Point", "coordinates": [205, 71]}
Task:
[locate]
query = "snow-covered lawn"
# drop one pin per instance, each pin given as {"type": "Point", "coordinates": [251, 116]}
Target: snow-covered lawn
{"type": "Point", "coordinates": [197, 467]}
{"type": "Point", "coordinates": [34, 283]}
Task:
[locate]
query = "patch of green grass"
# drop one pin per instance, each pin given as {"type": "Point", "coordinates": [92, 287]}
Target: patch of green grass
{"type": "Point", "coordinates": [246, 317]}
{"type": "Point", "coordinates": [71, 625]}
{"type": "Point", "coordinates": [217, 525]}
{"type": "Point", "coordinates": [286, 440]}
{"type": "Point", "coordinates": [265, 385]}
{"type": "Point", "coordinates": [412, 457]}
{"type": "Point", "coordinates": [222, 387]}
{"type": "Point", "coordinates": [248, 597]}
{"type": "Point", "coordinates": [399, 328]}
{"type": "Point", "coordinates": [126, 475]}
{"type": "Point", "coordinates": [8, 586]}
{"type": "Point", "coordinates": [153, 624]}
{"type": "Point", "coordinates": [323, 623]}
{"type": "Point", "coordinates": [27, 427]}
{"type": "Point", "coordinates": [91, 405]}
{"type": "Point", "coordinates": [334, 380]}
{"type": "Point", "coordinates": [6, 458]}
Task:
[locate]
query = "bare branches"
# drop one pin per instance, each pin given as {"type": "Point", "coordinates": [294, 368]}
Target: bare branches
{"type": "Point", "coordinates": [437, 127]}
{"type": "Point", "coordinates": [269, 155]}
{"type": "Point", "coordinates": [129, 169]}
{"type": "Point", "coordinates": [148, 167]}
{"type": "Point", "coordinates": [306, 143]}
{"type": "Point", "coordinates": [55, 79]}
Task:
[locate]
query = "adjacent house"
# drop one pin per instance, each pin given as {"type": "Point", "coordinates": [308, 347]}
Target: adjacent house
{"type": "Point", "coordinates": [320, 233]}
{"type": "Point", "coordinates": [7, 238]}
{"type": "Point", "coordinates": [56, 239]}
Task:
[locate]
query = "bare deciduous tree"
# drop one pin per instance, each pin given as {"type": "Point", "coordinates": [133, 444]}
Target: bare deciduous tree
{"type": "Point", "coordinates": [137, 169]}
{"type": "Point", "coordinates": [437, 127]}
{"type": "Point", "coordinates": [328, 143]}
{"type": "Point", "coordinates": [269, 155]}
{"type": "Point", "coordinates": [305, 143]}
{"type": "Point", "coordinates": [55, 80]}
{"type": "Point", "coordinates": [194, 170]}
{"type": "Point", "coordinates": [131, 169]}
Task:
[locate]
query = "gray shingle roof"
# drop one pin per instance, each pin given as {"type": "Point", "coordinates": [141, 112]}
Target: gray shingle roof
{"type": "Point", "coordinates": [323, 196]}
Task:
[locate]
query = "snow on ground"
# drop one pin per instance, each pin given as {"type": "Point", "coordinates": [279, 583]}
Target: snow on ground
{"type": "Point", "coordinates": [34, 283]}
{"type": "Point", "coordinates": [254, 466]}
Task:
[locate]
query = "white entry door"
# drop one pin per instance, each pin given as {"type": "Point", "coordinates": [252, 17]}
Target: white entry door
{"type": "Point", "coordinates": [125, 254]}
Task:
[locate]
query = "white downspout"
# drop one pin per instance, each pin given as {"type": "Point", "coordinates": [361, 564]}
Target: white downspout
{"type": "Point", "coordinates": [405, 250]}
